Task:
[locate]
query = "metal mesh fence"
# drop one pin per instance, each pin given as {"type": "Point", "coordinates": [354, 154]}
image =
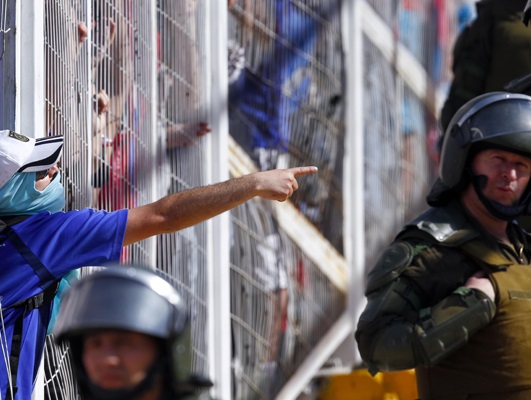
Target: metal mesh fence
{"type": "Point", "coordinates": [67, 93]}
{"type": "Point", "coordinates": [114, 160]}
{"type": "Point", "coordinates": [7, 67]}
{"type": "Point", "coordinates": [122, 163]}
{"type": "Point", "coordinates": [181, 122]}
{"type": "Point", "coordinates": [401, 102]}
{"type": "Point", "coordinates": [286, 97]}
{"type": "Point", "coordinates": [123, 142]}
{"type": "Point", "coordinates": [282, 303]}
{"type": "Point", "coordinates": [67, 98]}
{"type": "Point", "coordinates": [130, 141]}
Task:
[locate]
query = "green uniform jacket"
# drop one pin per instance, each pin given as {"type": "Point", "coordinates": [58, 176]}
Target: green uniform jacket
{"type": "Point", "coordinates": [420, 316]}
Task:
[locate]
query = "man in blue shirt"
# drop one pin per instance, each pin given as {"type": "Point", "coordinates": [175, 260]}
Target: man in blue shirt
{"type": "Point", "coordinates": [39, 244]}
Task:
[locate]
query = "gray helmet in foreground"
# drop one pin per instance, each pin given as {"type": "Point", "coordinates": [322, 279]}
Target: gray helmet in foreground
{"type": "Point", "coordinates": [132, 299]}
{"type": "Point", "coordinates": [498, 120]}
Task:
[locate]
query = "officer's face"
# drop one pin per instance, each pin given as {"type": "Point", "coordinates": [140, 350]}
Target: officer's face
{"type": "Point", "coordinates": [118, 359]}
{"type": "Point", "coordinates": [508, 175]}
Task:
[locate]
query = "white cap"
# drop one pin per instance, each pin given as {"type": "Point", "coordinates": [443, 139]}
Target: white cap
{"type": "Point", "coordinates": [19, 153]}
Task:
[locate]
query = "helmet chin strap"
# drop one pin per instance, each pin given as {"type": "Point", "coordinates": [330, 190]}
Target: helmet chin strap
{"type": "Point", "coordinates": [500, 211]}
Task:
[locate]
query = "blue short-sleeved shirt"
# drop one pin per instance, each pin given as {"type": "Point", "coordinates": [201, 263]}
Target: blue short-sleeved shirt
{"type": "Point", "coordinates": [62, 242]}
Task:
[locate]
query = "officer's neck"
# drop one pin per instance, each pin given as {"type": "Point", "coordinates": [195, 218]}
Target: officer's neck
{"type": "Point", "coordinates": [493, 225]}
{"type": "Point", "coordinates": [152, 394]}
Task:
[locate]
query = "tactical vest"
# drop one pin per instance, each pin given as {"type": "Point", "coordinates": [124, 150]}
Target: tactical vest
{"type": "Point", "coordinates": [496, 362]}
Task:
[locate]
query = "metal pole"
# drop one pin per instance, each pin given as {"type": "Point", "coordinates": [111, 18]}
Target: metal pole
{"type": "Point", "coordinates": [219, 238]}
{"type": "Point", "coordinates": [355, 165]}
{"type": "Point", "coordinates": [308, 369]}
{"type": "Point", "coordinates": [154, 183]}
{"type": "Point", "coordinates": [29, 101]}
{"type": "Point", "coordinates": [30, 76]}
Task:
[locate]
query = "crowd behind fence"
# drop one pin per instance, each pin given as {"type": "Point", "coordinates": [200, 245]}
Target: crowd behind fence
{"type": "Point", "coordinates": [98, 94]}
{"type": "Point", "coordinates": [129, 142]}
{"type": "Point", "coordinates": [402, 100]}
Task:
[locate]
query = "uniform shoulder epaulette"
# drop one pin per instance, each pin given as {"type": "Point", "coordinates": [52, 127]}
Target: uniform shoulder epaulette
{"type": "Point", "coordinates": [446, 225]}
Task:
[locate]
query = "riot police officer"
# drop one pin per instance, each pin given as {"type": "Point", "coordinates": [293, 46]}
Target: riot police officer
{"type": "Point", "coordinates": [451, 296]}
{"type": "Point", "coordinates": [129, 336]}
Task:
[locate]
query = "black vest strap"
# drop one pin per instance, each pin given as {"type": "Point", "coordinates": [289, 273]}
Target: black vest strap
{"type": "Point", "coordinates": [29, 304]}
{"type": "Point", "coordinates": [31, 259]}
{"type": "Point", "coordinates": [14, 356]}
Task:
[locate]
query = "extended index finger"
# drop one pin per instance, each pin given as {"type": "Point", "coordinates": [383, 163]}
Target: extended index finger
{"type": "Point", "coordinates": [298, 171]}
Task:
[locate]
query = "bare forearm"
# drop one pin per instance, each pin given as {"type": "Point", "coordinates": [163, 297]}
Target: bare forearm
{"type": "Point", "coordinates": [183, 209]}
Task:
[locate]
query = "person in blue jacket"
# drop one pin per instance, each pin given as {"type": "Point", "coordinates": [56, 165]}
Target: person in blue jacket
{"type": "Point", "coordinates": [39, 244]}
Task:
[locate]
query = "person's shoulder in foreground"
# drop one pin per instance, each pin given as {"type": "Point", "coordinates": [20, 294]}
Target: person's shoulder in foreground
{"type": "Point", "coordinates": [442, 297]}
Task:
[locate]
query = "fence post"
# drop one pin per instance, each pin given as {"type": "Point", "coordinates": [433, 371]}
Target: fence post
{"type": "Point", "coordinates": [29, 100]}
{"type": "Point", "coordinates": [355, 162]}
{"type": "Point", "coordinates": [219, 228]}
{"type": "Point", "coordinates": [29, 111]}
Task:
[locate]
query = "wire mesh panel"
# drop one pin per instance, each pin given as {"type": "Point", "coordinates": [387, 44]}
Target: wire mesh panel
{"type": "Point", "coordinates": [99, 95]}
{"type": "Point", "coordinates": [285, 66]}
{"type": "Point", "coordinates": [7, 68]}
{"type": "Point", "coordinates": [59, 381]}
{"type": "Point", "coordinates": [381, 142]}
{"type": "Point", "coordinates": [181, 124]}
{"type": "Point", "coordinates": [281, 303]}
{"type": "Point", "coordinates": [401, 130]}
{"type": "Point", "coordinates": [123, 147]}
{"type": "Point", "coordinates": [67, 99]}
{"type": "Point", "coordinates": [116, 166]}
{"type": "Point", "coordinates": [67, 94]}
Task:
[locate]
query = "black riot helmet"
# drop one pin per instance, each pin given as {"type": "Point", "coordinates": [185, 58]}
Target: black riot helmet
{"type": "Point", "coordinates": [498, 120]}
{"type": "Point", "coordinates": [135, 299]}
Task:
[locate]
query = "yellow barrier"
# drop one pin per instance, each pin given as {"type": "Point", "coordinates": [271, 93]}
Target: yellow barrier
{"type": "Point", "coordinates": [360, 385]}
